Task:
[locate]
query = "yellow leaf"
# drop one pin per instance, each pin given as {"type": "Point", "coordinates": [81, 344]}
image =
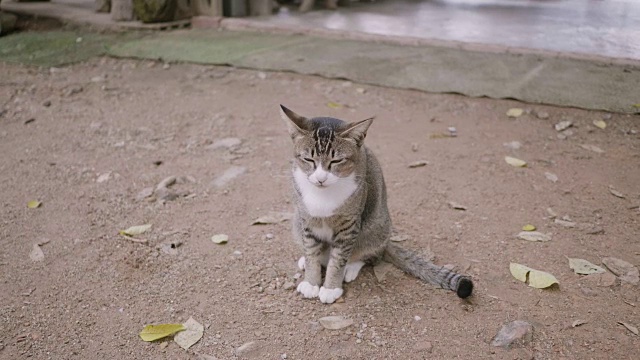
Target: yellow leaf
{"type": "Point", "coordinates": [636, 105]}
{"type": "Point", "coordinates": [534, 278]}
{"type": "Point", "coordinates": [515, 112]}
{"type": "Point", "coordinates": [515, 162]}
{"type": "Point", "coordinates": [33, 204]}
{"type": "Point", "coordinates": [529, 227]}
{"type": "Point", "coordinates": [600, 123]}
{"type": "Point", "coordinates": [135, 230]}
{"type": "Point", "coordinates": [155, 332]}
{"type": "Point", "coordinates": [334, 105]}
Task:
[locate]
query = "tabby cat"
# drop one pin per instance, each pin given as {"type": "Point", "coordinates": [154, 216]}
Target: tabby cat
{"type": "Point", "coordinates": [341, 218]}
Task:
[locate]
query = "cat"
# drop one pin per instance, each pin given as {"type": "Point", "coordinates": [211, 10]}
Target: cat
{"type": "Point", "coordinates": [341, 218]}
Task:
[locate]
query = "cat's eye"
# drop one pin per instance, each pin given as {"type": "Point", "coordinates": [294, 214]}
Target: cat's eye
{"type": "Point", "coordinates": [336, 162]}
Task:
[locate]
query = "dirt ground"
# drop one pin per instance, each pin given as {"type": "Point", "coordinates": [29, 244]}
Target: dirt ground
{"type": "Point", "coordinates": [85, 140]}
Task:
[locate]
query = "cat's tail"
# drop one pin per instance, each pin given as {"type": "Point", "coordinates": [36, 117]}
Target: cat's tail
{"type": "Point", "coordinates": [411, 263]}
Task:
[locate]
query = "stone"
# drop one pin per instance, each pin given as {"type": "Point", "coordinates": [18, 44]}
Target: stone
{"type": "Point", "coordinates": [624, 270]}
{"type": "Point", "coordinates": [515, 333]}
{"type": "Point", "coordinates": [423, 346]}
{"type": "Point", "coordinates": [230, 174]}
{"type": "Point", "coordinates": [226, 143]}
{"type": "Point", "coordinates": [144, 193]}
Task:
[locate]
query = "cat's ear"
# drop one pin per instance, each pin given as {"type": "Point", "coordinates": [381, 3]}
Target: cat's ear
{"type": "Point", "coordinates": [296, 124]}
{"type": "Point", "coordinates": [356, 131]}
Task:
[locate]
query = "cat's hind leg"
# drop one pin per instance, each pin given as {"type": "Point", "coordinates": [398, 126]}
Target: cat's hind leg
{"type": "Point", "coordinates": [352, 270]}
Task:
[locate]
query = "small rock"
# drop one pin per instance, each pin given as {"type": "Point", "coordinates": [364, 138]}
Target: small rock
{"type": "Point", "coordinates": [533, 236]}
{"type": "Point", "coordinates": [269, 236]}
{"type": "Point", "coordinates": [144, 193]}
{"type": "Point", "coordinates": [515, 333]}
{"type": "Point", "coordinates": [542, 115]}
{"type": "Point", "coordinates": [36, 253]}
{"type": "Point", "coordinates": [578, 323]}
{"type": "Point", "coordinates": [249, 349]}
{"type": "Point", "coordinates": [104, 177]}
{"type": "Point", "coordinates": [262, 75]}
{"type": "Point", "coordinates": [361, 90]}
{"type": "Point", "coordinates": [226, 143]}
{"type": "Point", "coordinates": [453, 132]}
{"type": "Point", "coordinates": [164, 194]}
{"type": "Point", "coordinates": [602, 280]}
{"type": "Point", "coordinates": [592, 148]}
{"type": "Point", "coordinates": [454, 205]}
{"type": "Point", "coordinates": [624, 270]}
{"type": "Point", "coordinates": [229, 175]}
{"type": "Point", "coordinates": [163, 345]}
{"type": "Point", "coordinates": [97, 79]}
{"type": "Point", "coordinates": [563, 125]}
{"type": "Point", "coordinates": [335, 322]}
{"type": "Point", "coordinates": [288, 285]}
{"type": "Point", "coordinates": [47, 103]}
{"type": "Point", "coordinates": [417, 318]}
{"type": "Point", "coordinates": [72, 90]}
{"type": "Point", "coordinates": [551, 176]}
{"type": "Point", "coordinates": [400, 238]}
{"type": "Point", "coordinates": [166, 66]}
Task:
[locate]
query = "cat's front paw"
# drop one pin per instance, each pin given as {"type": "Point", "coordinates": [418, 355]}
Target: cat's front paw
{"type": "Point", "coordinates": [307, 290]}
{"type": "Point", "coordinates": [329, 296]}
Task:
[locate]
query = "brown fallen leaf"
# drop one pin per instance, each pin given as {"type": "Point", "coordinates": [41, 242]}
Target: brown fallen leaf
{"type": "Point", "coordinates": [578, 323]}
{"type": "Point", "coordinates": [272, 218]}
{"type": "Point", "coordinates": [419, 163]}
{"type": "Point", "coordinates": [616, 193]}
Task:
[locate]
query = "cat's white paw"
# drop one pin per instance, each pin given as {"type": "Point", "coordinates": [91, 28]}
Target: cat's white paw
{"type": "Point", "coordinates": [352, 270]}
{"type": "Point", "coordinates": [307, 290]}
{"type": "Point", "coordinates": [328, 296]}
{"type": "Point", "coordinates": [301, 263]}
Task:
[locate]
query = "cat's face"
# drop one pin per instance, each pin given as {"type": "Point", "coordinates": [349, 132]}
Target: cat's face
{"type": "Point", "coordinates": [326, 150]}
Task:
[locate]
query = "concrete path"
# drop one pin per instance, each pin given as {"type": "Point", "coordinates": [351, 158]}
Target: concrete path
{"type": "Point", "coordinates": [530, 78]}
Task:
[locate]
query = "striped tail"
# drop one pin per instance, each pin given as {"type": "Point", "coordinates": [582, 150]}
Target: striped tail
{"type": "Point", "coordinates": [411, 263]}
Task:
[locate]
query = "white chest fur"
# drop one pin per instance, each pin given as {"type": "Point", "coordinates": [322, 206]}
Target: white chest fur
{"type": "Point", "coordinates": [323, 202]}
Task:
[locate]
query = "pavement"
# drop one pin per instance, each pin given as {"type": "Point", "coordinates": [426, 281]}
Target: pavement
{"type": "Point", "coordinates": [589, 81]}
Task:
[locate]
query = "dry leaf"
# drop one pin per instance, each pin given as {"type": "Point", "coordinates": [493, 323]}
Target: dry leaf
{"type": "Point", "coordinates": [533, 236]}
{"type": "Point", "coordinates": [272, 218]}
{"type": "Point", "coordinates": [581, 266]}
{"type": "Point", "coordinates": [515, 162]}
{"type": "Point", "coordinates": [600, 123]}
{"type": "Point", "coordinates": [528, 227]}
{"type": "Point", "coordinates": [36, 253]}
{"type": "Point", "coordinates": [578, 323]}
{"type": "Point", "coordinates": [220, 238]}
{"type": "Point", "coordinates": [515, 112]}
{"type": "Point", "coordinates": [565, 223]}
{"type": "Point", "coordinates": [629, 327]}
{"type": "Point", "coordinates": [456, 206]}
{"type": "Point", "coordinates": [592, 148]}
{"type": "Point", "coordinates": [334, 105]}
{"type": "Point", "coordinates": [534, 278]}
{"type": "Point", "coordinates": [439, 136]}
{"type": "Point", "coordinates": [135, 230]}
{"type": "Point", "coordinates": [155, 332]}
{"type": "Point", "coordinates": [616, 193]}
{"type": "Point", "coordinates": [192, 334]}
{"type": "Point", "coordinates": [419, 163]}
{"type": "Point", "coordinates": [34, 204]}
{"type": "Point", "coordinates": [335, 322]}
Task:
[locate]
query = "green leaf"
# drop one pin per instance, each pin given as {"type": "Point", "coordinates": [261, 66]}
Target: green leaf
{"type": "Point", "coordinates": [155, 332]}
{"type": "Point", "coordinates": [534, 278]}
{"type": "Point", "coordinates": [135, 230]}
{"type": "Point", "coordinates": [334, 105]}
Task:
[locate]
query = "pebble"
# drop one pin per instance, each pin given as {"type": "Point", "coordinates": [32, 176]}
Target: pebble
{"type": "Point", "coordinates": [417, 318]}
{"type": "Point", "coordinates": [144, 193]}
{"type": "Point", "coordinates": [47, 103]}
{"type": "Point", "coordinates": [542, 115]}
{"type": "Point", "coordinates": [517, 332]}
{"type": "Point", "coordinates": [269, 236]}
{"type": "Point", "coordinates": [513, 145]}
{"type": "Point", "coordinates": [226, 143]}
{"type": "Point", "coordinates": [288, 285]}
{"type": "Point", "coordinates": [166, 182]}
{"type": "Point", "coordinates": [229, 175]}
{"type": "Point", "coordinates": [246, 348]}
{"type": "Point", "coordinates": [72, 90]}
{"type": "Point", "coordinates": [423, 346]}
{"type": "Point", "coordinates": [563, 125]}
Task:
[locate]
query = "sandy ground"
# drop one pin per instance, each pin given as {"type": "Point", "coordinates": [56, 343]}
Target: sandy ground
{"type": "Point", "coordinates": [85, 140]}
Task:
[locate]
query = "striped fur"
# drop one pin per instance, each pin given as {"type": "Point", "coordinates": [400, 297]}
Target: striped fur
{"type": "Point", "coordinates": [341, 219]}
